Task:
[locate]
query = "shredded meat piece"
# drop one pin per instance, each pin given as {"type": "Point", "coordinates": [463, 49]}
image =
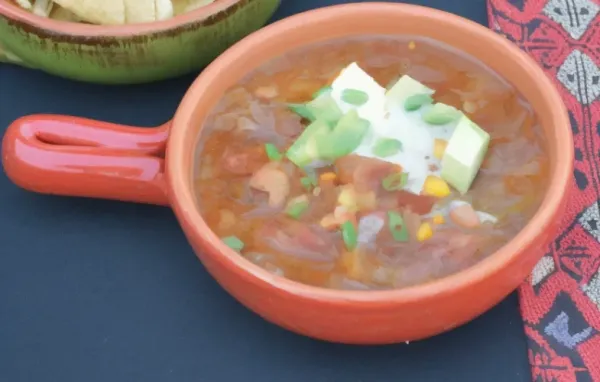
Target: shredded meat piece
{"type": "Point", "coordinates": [271, 179]}
{"type": "Point", "coordinates": [300, 240]}
{"type": "Point", "coordinates": [243, 160]}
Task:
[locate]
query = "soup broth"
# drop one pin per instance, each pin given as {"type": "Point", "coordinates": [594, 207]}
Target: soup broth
{"type": "Point", "coordinates": [389, 201]}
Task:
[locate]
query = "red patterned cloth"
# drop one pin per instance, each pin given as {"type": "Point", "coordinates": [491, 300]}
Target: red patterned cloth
{"type": "Point", "coordinates": [560, 302]}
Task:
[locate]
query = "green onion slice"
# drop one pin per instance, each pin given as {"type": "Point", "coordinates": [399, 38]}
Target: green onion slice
{"type": "Point", "coordinates": [272, 152]}
{"type": "Point", "coordinates": [395, 181]}
{"type": "Point", "coordinates": [387, 147]}
{"type": "Point", "coordinates": [296, 209]}
{"type": "Point", "coordinates": [397, 226]}
{"type": "Point", "coordinates": [233, 242]}
{"type": "Point", "coordinates": [309, 181]}
{"type": "Point", "coordinates": [355, 97]}
{"type": "Point", "coordinates": [415, 102]}
{"type": "Point", "coordinates": [349, 235]}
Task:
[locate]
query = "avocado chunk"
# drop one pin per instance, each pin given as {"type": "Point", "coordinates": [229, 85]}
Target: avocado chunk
{"type": "Point", "coordinates": [406, 87]}
{"type": "Point", "coordinates": [320, 142]}
{"type": "Point", "coordinates": [464, 154]}
{"type": "Point", "coordinates": [301, 110]}
{"type": "Point", "coordinates": [440, 114]}
{"type": "Point", "coordinates": [305, 149]}
{"type": "Point", "coordinates": [323, 90]}
{"type": "Point", "coordinates": [415, 102]}
{"type": "Point", "coordinates": [325, 108]}
{"type": "Point", "coordinates": [347, 135]}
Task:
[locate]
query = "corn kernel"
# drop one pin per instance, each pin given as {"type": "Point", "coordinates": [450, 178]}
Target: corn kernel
{"type": "Point", "coordinates": [348, 199]}
{"type": "Point", "coordinates": [329, 222]}
{"type": "Point", "coordinates": [412, 45]}
{"type": "Point", "coordinates": [435, 186]}
{"type": "Point", "coordinates": [337, 218]}
{"type": "Point", "coordinates": [425, 232]}
{"type": "Point", "coordinates": [439, 147]}
{"type": "Point", "coordinates": [328, 176]}
{"type": "Point", "coordinates": [438, 219]}
{"type": "Point", "coordinates": [354, 201]}
{"type": "Point", "coordinates": [352, 262]}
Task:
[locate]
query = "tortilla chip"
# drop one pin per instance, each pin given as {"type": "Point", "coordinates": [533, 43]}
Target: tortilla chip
{"type": "Point", "coordinates": [182, 6]}
{"type": "Point", "coordinates": [105, 12]}
{"type": "Point", "coordinates": [62, 14]}
{"type": "Point", "coordinates": [42, 7]}
{"type": "Point", "coordinates": [195, 4]}
{"type": "Point", "coordinates": [164, 9]}
{"type": "Point", "coordinates": [139, 11]}
{"type": "Point", "coordinates": [26, 4]}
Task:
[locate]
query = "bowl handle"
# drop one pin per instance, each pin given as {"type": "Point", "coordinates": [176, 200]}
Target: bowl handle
{"type": "Point", "coordinates": [72, 156]}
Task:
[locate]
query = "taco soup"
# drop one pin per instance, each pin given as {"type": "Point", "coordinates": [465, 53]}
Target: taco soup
{"type": "Point", "coordinates": [370, 163]}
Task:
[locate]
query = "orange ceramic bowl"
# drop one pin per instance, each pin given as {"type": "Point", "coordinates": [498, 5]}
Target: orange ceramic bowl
{"type": "Point", "coordinates": [70, 156]}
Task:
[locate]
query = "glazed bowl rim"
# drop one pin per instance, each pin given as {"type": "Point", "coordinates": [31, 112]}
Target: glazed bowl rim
{"type": "Point", "coordinates": [16, 13]}
{"type": "Point", "coordinates": [183, 199]}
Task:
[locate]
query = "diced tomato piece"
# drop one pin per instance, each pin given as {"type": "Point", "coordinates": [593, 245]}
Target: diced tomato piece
{"type": "Point", "coordinates": [299, 240]}
{"type": "Point", "coordinates": [365, 173]}
{"type": "Point", "coordinates": [419, 204]}
{"type": "Point", "coordinates": [310, 240]}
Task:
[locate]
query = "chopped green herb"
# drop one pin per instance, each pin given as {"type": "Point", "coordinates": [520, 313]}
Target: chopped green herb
{"type": "Point", "coordinates": [304, 151]}
{"type": "Point", "coordinates": [320, 142]}
{"type": "Point", "coordinates": [297, 208]}
{"type": "Point", "coordinates": [345, 138]}
{"type": "Point", "coordinates": [415, 102]}
{"type": "Point", "coordinates": [325, 109]}
{"type": "Point", "coordinates": [355, 97]}
{"type": "Point", "coordinates": [233, 242]}
{"type": "Point", "coordinates": [272, 153]}
{"type": "Point", "coordinates": [397, 226]}
{"type": "Point", "coordinates": [301, 110]}
{"type": "Point", "coordinates": [404, 88]}
{"type": "Point", "coordinates": [309, 181]}
{"type": "Point", "coordinates": [386, 147]}
{"type": "Point", "coordinates": [306, 182]}
{"type": "Point", "coordinates": [349, 235]}
{"type": "Point", "coordinates": [395, 181]}
{"type": "Point", "coordinates": [440, 114]}
{"type": "Point", "coordinates": [323, 90]}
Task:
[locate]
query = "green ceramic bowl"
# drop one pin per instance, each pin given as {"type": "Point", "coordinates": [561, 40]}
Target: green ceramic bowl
{"type": "Point", "coordinates": [128, 54]}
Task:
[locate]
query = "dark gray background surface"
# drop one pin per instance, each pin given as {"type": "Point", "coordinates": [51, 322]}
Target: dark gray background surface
{"type": "Point", "coordinates": [107, 291]}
